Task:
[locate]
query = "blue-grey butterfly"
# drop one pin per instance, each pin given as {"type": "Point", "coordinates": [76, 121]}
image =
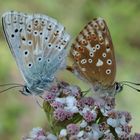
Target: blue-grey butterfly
{"type": "Point", "coordinates": [38, 43]}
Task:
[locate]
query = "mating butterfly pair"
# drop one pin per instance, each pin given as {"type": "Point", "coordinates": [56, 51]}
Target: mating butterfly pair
{"type": "Point", "coordinates": [39, 43]}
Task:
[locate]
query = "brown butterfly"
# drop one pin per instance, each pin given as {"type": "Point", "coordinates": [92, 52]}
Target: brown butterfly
{"type": "Point", "coordinates": [94, 59]}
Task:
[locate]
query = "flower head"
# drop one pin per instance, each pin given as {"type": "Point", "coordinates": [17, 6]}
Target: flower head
{"type": "Point", "coordinates": [76, 117]}
{"type": "Point", "coordinates": [73, 129]}
{"type": "Point", "coordinates": [60, 114]}
{"type": "Point", "coordinates": [89, 116]}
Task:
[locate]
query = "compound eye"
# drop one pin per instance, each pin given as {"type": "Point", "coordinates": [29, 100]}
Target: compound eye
{"type": "Point", "coordinates": [27, 89]}
{"type": "Point", "coordinates": [118, 87]}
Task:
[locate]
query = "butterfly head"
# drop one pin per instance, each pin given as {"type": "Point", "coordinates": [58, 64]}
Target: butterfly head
{"type": "Point", "coordinates": [110, 90]}
{"type": "Point", "coordinates": [26, 91]}
{"type": "Point", "coordinates": [118, 87]}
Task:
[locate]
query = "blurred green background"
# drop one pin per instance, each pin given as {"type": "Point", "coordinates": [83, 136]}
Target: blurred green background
{"type": "Point", "coordinates": [19, 114]}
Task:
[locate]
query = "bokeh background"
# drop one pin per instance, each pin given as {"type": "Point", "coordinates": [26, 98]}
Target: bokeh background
{"type": "Point", "coordinates": [19, 114]}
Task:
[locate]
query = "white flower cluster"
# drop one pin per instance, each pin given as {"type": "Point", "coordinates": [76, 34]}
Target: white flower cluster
{"type": "Point", "coordinates": [73, 116]}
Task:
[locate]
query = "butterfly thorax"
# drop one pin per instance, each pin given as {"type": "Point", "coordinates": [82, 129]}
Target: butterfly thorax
{"type": "Point", "coordinates": [112, 90]}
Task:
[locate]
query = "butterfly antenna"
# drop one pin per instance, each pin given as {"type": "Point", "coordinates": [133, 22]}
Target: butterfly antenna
{"type": "Point", "coordinates": [11, 84]}
{"type": "Point", "coordinates": [131, 87]}
{"type": "Point", "coordinates": [9, 88]}
{"type": "Point", "coordinates": [133, 83]}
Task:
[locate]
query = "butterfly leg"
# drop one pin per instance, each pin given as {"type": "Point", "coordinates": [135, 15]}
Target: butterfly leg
{"type": "Point", "coordinates": [37, 101]}
{"type": "Point", "coordinates": [86, 92]}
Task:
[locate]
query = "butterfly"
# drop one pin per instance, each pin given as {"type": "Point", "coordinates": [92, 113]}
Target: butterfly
{"type": "Point", "coordinates": [94, 61]}
{"type": "Point", "coordinates": [38, 44]}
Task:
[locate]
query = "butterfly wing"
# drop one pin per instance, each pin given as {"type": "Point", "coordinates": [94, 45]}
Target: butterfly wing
{"type": "Point", "coordinates": [93, 53]}
{"type": "Point", "coordinates": [38, 43]}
